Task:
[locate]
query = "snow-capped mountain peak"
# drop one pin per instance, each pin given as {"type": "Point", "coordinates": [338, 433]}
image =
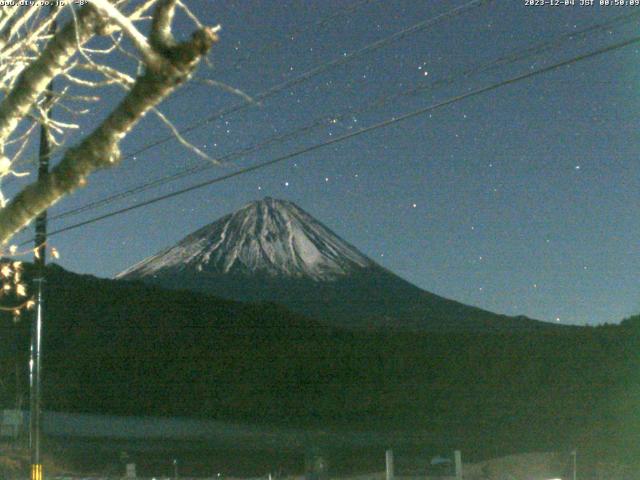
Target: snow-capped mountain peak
{"type": "Point", "coordinates": [269, 236]}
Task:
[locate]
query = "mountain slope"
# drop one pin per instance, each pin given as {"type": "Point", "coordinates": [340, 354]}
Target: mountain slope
{"type": "Point", "coordinates": [272, 250]}
{"type": "Point", "coordinates": [271, 237]}
{"type": "Point", "coordinates": [129, 348]}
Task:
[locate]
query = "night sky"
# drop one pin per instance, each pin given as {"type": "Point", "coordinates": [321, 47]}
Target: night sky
{"type": "Point", "coordinates": [523, 200]}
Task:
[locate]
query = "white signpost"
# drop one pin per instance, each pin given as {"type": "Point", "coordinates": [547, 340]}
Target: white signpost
{"type": "Point", "coordinates": [130, 471]}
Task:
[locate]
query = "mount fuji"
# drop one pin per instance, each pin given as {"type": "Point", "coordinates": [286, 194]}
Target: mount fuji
{"type": "Point", "coordinates": [273, 251]}
{"type": "Point", "coordinates": [269, 237]}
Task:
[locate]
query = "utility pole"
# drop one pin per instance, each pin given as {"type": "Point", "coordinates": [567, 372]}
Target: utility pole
{"type": "Point", "coordinates": [35, 360]}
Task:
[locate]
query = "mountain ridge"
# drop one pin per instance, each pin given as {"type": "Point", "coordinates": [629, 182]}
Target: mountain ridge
{"type": "Point", "coordinates": [269, 236]}
{"type": "Point", "coordinates": [272, 250]}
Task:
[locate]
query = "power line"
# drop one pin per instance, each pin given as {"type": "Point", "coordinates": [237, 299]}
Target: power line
{"type": "Point", "coordinates": [277, 43]}
{"type": "Point", "coordinates": [311, 73]}
{"type": "Point", "coordinates": [301, 29]}
{"type": "Point", "coordinates": [371, 47]}
{"type": "Point", "coordinates": [347, 136]}
{"type": "Point", "coordinates": [615, 21]}
{"type": "Point", "coordinates": [509, 58]}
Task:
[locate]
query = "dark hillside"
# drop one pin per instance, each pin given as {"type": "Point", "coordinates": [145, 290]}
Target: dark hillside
{"type": "Point", "coordinates": [131, 349]}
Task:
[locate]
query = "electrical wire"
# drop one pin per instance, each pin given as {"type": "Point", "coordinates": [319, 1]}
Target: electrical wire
{"type": "Point", "coordinates": [342, 138]}
{"type": "Point", "coordinates": [506, 59]}
{"type": "Point", "coordinates": [318, 24]}
{"type": "Point", "coordinates": [311, 73]}
{"type": "Point", "coordinates": [301, 29]}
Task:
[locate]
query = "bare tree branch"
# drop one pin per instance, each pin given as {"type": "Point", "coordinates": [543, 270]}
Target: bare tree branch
{"type": "Point", "coordinates": [170, 65]}
{"type": "Point", "coordinates": [35, 78]}
{"type": "Point", "coordinates": [127, 26]}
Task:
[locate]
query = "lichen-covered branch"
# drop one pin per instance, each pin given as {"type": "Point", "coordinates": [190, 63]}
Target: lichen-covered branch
{"type": "Point", "coordinates": [36, 77]}
{"type": "Point", "coordinates": [127, 26]}
{"type": "Point", "coordinates": [100, 149]}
